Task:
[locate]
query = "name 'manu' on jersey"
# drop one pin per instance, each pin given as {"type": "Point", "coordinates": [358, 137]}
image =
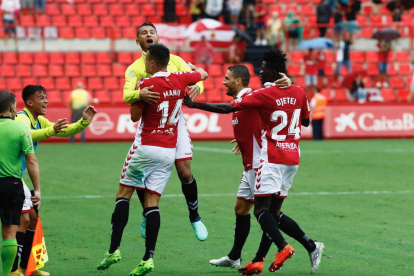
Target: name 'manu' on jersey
{"type": "Point", "coordinates": [159, 121]}
{"type": "Point", "coordinates": [247, 132]}
{"type": "Point", "coordinates": [281, 112]}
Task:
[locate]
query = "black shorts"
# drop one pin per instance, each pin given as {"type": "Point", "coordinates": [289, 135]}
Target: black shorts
{"type": "Point", "coordinates": [11, 200]}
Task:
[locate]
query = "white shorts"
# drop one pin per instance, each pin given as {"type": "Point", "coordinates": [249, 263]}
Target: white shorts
{"type": "Point", "coordinates": [184, 145]}
{"type": "Point", "coordinates": [274, 179]}
{"type": "Point", "coordinates": [246, 187]}
{"type": "Point", "coordinates": [27, 204]}
{"type": "Point", "coordinates": [147, 168]}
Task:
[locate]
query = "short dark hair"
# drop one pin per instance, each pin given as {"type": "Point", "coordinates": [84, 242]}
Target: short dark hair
{"type": "Point", "coordinates": [144, 25]}
{"type": "Point", "coordinates": [275, 60]}
{"type": "Point", "coordinates": [30, 90]}
{"type": "Point", "coordinates": [159, 53]}
{"type": "Point", "coordinates": [240, 71]}
{"type": "Point", "coordinates": [7, 99]}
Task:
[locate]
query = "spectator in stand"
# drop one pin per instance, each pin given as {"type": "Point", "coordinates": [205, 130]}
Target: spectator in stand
{"type": "Point", "coordinates": [397, 11]}
{"type": "Point", "coordinates": [27, 6]}
{"type": "Point", "coordinates": [234, 7]}
{"type": "Point", "coordinates": [384, 52]}
{"type": "Point", "coordinates": [321, 65]}
{"type": "Point", "coordinates": [311, 70]}
{"type": "Point", "coordinates": [204, 52]}
{"type": "Point", "coordinates": [11, 9]}
{"type": "Point", "coordinates": [196, 9]}
{"type": "Point", "coordinates": [323, 13]}
{"type": "Point", "coordinates": [274, 29]}
{"type": "Point", "coordinates": [318, 112]}
{"type": "Point", "coordinates": [236, 50]}
{"type": "Point", "coordinates": [40, 6]}
{"type": "Point", "coordinates": [338, 16]}
{"type": "Point", "coordinates": [343, 56]}
{"type": "Point", "coordinates": [169, 11]}
{"type": "Point", "coordinates": [352, 8]}
{"type": "Point", "coordinates": [294, 33]}
{"type": "Point", "coordinates": [248, 6]}
{"type": "Point", "coordinates": [259, 16]}
{"type": "Point", "coordinates": [213, 9]}
{"type": "Point", "coordinates": [358, 90]}
{"type": "Point", "coordinates": [377, 6]}
{"type": "Point", "coordinates": [79, 100]}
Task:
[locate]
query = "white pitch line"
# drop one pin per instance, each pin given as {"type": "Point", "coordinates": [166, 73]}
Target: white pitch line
{"type": "Point", "coordinates": [231, 194]}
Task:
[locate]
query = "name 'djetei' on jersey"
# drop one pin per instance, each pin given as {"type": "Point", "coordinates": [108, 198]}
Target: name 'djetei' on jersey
{"type": "Point", "coordinates": [171, 93]}
{"type": "Point", "coordinates": [286, 100]}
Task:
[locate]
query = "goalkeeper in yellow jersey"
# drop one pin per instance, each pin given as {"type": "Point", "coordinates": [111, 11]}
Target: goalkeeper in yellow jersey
{"type": "Point", "coordinates": [147, 35]}
{"type": "Point", "coordinates": [35, 100]}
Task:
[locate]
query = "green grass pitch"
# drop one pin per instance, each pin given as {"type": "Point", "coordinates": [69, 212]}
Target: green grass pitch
{"type": "Point", "coordinates": [355, 196]}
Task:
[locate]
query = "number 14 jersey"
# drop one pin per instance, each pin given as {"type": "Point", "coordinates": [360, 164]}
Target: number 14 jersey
{"type": "Point", "coordinates": [159, 121]}
{"type": "Point", "coordinates": [281, 112]}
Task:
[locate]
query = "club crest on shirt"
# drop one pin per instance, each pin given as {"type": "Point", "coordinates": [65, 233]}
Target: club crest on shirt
{"type": "Point", "coordinates": [234, 121]}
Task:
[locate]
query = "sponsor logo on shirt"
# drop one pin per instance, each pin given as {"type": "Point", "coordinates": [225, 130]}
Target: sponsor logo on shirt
{"type": "Point", "coordinates": [131, 74]}
{"type": "Point", "coordinates": [286, 146]}
{"type": "Point", "coordinates": [234, 122]}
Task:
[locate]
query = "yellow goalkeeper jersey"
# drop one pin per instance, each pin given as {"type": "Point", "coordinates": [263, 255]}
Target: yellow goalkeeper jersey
{"type": "Point", "coordinates": [137, 71]}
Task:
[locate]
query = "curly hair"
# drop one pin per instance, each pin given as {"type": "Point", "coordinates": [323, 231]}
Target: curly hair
{"type": "Point", "coordinates": [30, 90]}
{"type": "Point", "coordinates": [275, 60]}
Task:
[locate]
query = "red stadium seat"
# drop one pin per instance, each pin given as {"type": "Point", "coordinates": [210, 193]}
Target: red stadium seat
{"type": "Point", "coordinates": [75, 21]}
{"type": "Point", "coordinates": [43, 21]}
{"type": "Point", "coordinates": [128, 1]}
{"type": "Point", "coordinates": [407, 20]}
{"type": "Point", "coordinates": [148, 9]}
{"type": "Point", "coordinates": [27, 21]}
{"type": "Point", "coordinates": [180, 10]}
{"type": "Point", "coordinates": [293, 8]}
{"type": "Point", "coordinates": [103, 70]}
{"type": "Point", "coordinates": [215, 70]}
{"type": "Point", "coordinates": [88, 70]}
{"type": "Point", "coordinates": [98, 32]}
{"type": "Point", "coordinates": [249, 66]}
{"type": "Point", "coordinates": [124, 57]}
{"type": "Point", "coordinates": [155, 19]}
{"type": "Point", "coordinates": [30, 81]}
{"type": "Point", "coordinates": [130, 32]}
{"type": "Point", "coordinates": [209, 83]}
{"type": "Point", "coordinates": [215, 96]}
{"type": "Point", "coordinates": [9, 58]}
{"type": "Point", "coordinates": [186, 20]}
{"type": "Point", "coordinates": [391, 69]}
{"type": "Point", "coordinates": [118, 70]}
{"type": "Point", "coordinates": [371, 56]}
{"type": "Point", "coordinates": [367, 32]}
{"type": "Point", "coordinates": [63, 84]}
{"type": "Point", "coordinates": [41, 58]}
{"type": "Point", "coordinates": [52, 9]}
{"type": "Point", "coordinates": [40, 70]}
{"type": "Point", "coordinates": [116, 9]}
{"type": "Point", "coordinates": [341, 95]}
{"type": "Point", "coordinates": [402, 95]}
{"type": "Point", "coordinates": [202, 98]}
{"type": "Point", "coordinates": [307, 10]}
{"type": "Point", "coordinates": [327, 93]}
{"type": "Point", "coordinates": [59, 21]}
{"type": "Point", "coordinates": [405, 69]}
{"type": "Point", "coordinates": [330, 56]}
{"type": "Point", "coordinates": [7, 71]}
{"type": "Point", "coordinates": [103, 58]}
{"type": "Point", "coordinates": [107, 21]}
{"type": "Point", "coordinates": [218, 57]}
{"type": "Point", "coordinates": [88, 57]}
{"type": "Point", "coordinates": [76, 80]}
{"type": "Point", "coordinates": [388, 95]}
{"type": "Point", "coordinates": [117, 97]}
{"type": "Point", "coordinates": [66, 32]}
{"type": "Point", "coordinates": [95, 83]}
{"type": "Point", "coordinates": [56, 58]}
{"type": "Point", "coordinates": [372, 69]}
{"type": "Point", "coordinates": [375, 19]}
{"type": "Point", "coordinates": [357, 56]}
{"type": "Point", "coordinates": [25, 58]}
{"type": "Point", "coordinates": [14, 84]}
{"type": "Point", "coordinates": [396, 82]}
{"type": "Point", "coordinates": [23, 70]}
{"type": "Point", "coordinates": [82, 32]}
{"type": "Point", "coordinates": [54, 97]}
{"type": "Point", "coordinates": [256, 82]}
{"type": "Point", "coordinates": [48, 83]}
{"type": "Point", "coordinates": [367, 9]}
{"type": "Point", "coordinates": [103, 96]}
{"type": "Point", "coordinates": [100, 9]}
{"type": "Point", "coordinates": [111, 83]}
{"type": "Point", "coordinates": [123, 21]}
{"type": "Point", "coordinates": [186, 56]}
{"type": "Point", "coordinates": [72, 58]}
{"type": "Point", "coordinates": [132, 9]}
{"type": "Point", "coordinates": [294, 69]}
{"type": "Point", "coordinates": [160, 10]}
{"type": "Point", "coordinates": [307, 33]}
{"type": "Point", "coordinates": [72, 70]}
{"type": "Point", "coordinates": [137, 55]}
{"type": "Point", "coordinates": [402, 56]}
{"type": "Point", "coordinates": [275, 8]}
{"type": "Point", "coordinates": [357, 67]}
{"type": "Point", "coordinates": [55, 70]}
{"type": "Point", "coordinates": [84, 9]}
{"type": "Point", "coordinates": [361, 20]}
{"type": "Point", "coordinates": [296, 56]}
{"type": "Point", "coordinates": [68, 9]}
{"type": "Point", "coordinates": [90, 21]}
{"type": "Point", "coordinates": [300, 81]}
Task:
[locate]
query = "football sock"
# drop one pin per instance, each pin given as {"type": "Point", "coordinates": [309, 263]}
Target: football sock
{"type": "Point", "coordinates": [190, 193]}
{"type": "Point", "coordinates": [269, 225]}
{"type": "Point", "coordinates": [27, 248]}
{"type": "Point", "coordinates": [264, 247]}
{"type": "Point", "coordinates": [291, 228]}
{"type": "Point", "coordinates": [153, 226]}
{"type": "Point", "coordinates": [20, 237]}
{"type": "Point", "coordinates": [8, 254]}
{"type": "Point", "coordinates": [241, 232]}
{"type": "Point", "coordinates": [118, 222]}
{"type": "Point", "coordinates": [141, 196]}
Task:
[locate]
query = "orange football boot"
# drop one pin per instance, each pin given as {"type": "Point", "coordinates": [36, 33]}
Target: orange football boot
{"type": "Point", "coordinates": [286, 253]}
{"type": "Point", "coordinates": [252, 268]}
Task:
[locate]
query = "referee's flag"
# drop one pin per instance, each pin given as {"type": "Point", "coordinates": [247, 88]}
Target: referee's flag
{"type": "Point", "coordinates": [38, 255]}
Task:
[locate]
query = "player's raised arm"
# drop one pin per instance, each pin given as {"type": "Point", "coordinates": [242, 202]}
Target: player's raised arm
{"type": "Point", "coordinates": [222, 108]}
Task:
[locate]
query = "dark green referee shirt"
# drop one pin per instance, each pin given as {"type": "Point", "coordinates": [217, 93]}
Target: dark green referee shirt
{"type": "Point", "coordinates": [15, 141]}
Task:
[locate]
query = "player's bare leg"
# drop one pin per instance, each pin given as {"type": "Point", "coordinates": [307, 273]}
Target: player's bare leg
{"type": "Point", "coordinates": [118, 223]}
{"type": "Point", "coordinates": [189, 188]}
{"type": "Point", "coordinates": [241, 232]}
